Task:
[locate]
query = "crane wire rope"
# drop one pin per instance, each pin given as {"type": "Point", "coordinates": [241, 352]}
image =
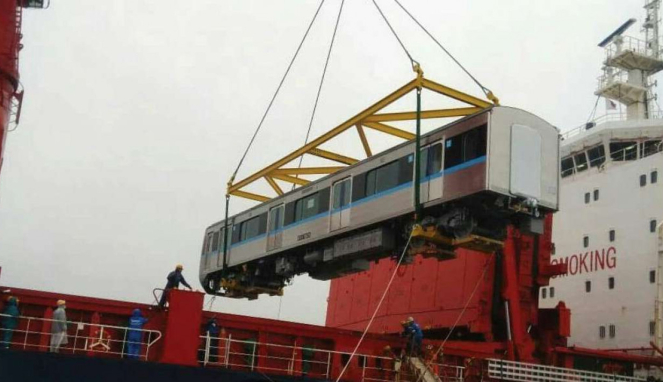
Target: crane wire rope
{"type": "Point", "coordinates": [485, 90]}
{"type": "Point", "coordinates": [322, 81]}
{"type": "Point", "coordinates": [593, 113]}
{"type": "Point", "coordinates": [393, 31]}
{"type": "Point", "coordinates": [377, 308]}
{"type": "Point", "coordinates": [278, 88]}
{"type": "Point", "coordinates": [462, 312]}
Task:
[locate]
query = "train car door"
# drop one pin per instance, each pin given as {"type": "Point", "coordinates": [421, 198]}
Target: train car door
{"type": "Point", "coordinates": [340, 211]}
{"type": "Point", "coordinates": [275, 228]}
{"type": "Point", "coordinates": [431, 172]}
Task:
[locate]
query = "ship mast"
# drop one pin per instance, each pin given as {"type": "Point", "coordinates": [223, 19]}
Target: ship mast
{"type": "Point", "coordinates": [629, 65]}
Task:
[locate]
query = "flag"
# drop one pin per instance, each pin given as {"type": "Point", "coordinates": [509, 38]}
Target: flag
{"type": "Point", "coordinates": [610, 105]}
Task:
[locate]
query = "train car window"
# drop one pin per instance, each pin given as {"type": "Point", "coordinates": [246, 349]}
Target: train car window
{"type": "Point", "coordinates": [276, 218]}
{"type": "Point", "coordinates": [215, 242]}
{"type": "Point", "coordinates": [567, 167]}
{"type": "Point", "coordinates": [222, 239]}
{"type": "Point", "coordinates": [623, 151]}
{"type": "Point", "coordinates": [249, 229]}
{"type": "Point", "coordinates": [342, 192]}
{"type": "Point", "coordinates": [382, 178]}
{"type": "Point", "coordinates": [581, 162]}
{"type": "Point", "coordinates": [474, 143]}
{"type": "Point", "coordinates": [596, 156]}
{"type": "Point", "coordinates": [465, 147]}
{"type": "Point", "coordinates": [387, 177]}
{"type": "Point", "coordinates": [650, 147]}
{"type": "Point", "coordinates": [306, 207]}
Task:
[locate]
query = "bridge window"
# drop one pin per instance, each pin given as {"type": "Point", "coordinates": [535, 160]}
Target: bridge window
{"type": "Point", "coordinates": [611, 235]}
{"type": "Point", "coordinates": [543, 293]}
{"type": "Point", "coordinates": [623, 151]}
{"type": "Point", "coordinates": [382, 178]}
{"type": "Point", "coordinates": [643, 180]}
{"type": "Point", "coordinates": [652, 225]}
{"type": "Point", "coordinates": [581, 162]}
{"type": "Point", "coordinates": [465, 147]}
{"type": "Point", "coordinates": [651, 147]}
{"type": "Point", "coordinates": [588, 197]}
{"type": "Point", "coordinates": [596, 156]}
{"type": "Point", "coordinates": [611, 283]}
{"type": "Point", "coordinates": [585, 241]}
{"type": "Point", "coordinates": [653, 177]}
{"type": "Point", "coordinates": [307, 206]}
{"type": "Point", "coordinates": [601, 331]}
{"type": "Point", "coordinates": [652, 276]}
{"type": "Point", "coordinates": [249, 229]}
{"type": "Point", "coordinates": [612, 331]}
{"type": "Point", "coordinates": [567, 167]}
{"type": "Point", "coordinates": [588, 286]}
{"type": "Point", "coordinates": [596, 195]}
{"type": "Point", "coordinates": [552, 292]}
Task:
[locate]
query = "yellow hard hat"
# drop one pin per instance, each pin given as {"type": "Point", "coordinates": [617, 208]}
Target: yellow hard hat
{"type": "Point", "coordinates": [61, 302]}
{"type": "Point", "coordinates": [179, 266]}
{"type": "Point", "coordinates": [410, 319]}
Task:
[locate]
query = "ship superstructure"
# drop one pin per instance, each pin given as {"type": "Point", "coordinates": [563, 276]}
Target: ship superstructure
{"type": "Point", "coordinates": [608, 229]}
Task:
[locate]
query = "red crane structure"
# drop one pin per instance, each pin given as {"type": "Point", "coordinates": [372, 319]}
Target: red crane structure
{"type": "Point", "coordinates": [11, 93]}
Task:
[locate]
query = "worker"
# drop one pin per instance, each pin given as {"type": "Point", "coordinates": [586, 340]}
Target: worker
{"type": "Point", "coordinates": [135, 334]}
{"type": "Point", "coordinates": [212, 331]}
{"type": "Point", "coordinates": [59, 327]}
{"type": "Point", "coordinates": [9, 321]}
{"type": "Point", "coordinates": [174, 279]}
{"type": "Point", "coordinates": [414, 335]}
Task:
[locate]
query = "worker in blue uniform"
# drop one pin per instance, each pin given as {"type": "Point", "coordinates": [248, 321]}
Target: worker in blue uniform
{"type": "Point", "coordinates": [174, 279]}
{"type": "Point", "coordinates": [9, 321]}
{"type": "Point", "coordinates": [213, 331]}
{"type": "Point", "coordinates": [414, 335]}
{"type": "Point", "coordinates": [135, 334]}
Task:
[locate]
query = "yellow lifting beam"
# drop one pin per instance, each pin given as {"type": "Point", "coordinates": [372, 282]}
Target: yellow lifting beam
{"type": "Point", "coordinates": [368, 118]}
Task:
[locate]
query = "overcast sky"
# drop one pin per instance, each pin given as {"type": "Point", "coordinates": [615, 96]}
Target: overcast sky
{"type": "Point", "coordinates": [136, 114]}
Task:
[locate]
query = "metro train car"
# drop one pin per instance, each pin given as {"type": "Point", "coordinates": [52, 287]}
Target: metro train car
{"type": "Point", "coordinates": [477, 175]}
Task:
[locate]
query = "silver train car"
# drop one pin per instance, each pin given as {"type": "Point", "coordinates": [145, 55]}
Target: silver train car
{"type": "Point", "coordinates": [478, 174]}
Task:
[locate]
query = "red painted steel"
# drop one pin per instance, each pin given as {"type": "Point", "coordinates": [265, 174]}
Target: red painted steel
{"type": "Point", "coordinates": [10, 26]}
{"type": "Point", "coordinates": [181, 337]}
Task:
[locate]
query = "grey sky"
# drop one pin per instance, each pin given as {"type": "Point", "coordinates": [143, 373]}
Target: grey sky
{"type": "Point", "coordinates": [136, 113]}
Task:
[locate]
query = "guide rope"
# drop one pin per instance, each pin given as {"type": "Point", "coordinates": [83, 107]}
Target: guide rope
{"type": "Point", "coordinates": [462, 312]}
{"type": "Point", "coordinates": [377, 308]}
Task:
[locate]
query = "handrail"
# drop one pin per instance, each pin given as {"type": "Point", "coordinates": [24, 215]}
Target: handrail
{"type": "Point", "coordinates": [319, 365]}
{"type": "Point", "coordinates": [154, 293]}
{"type": "Point", "coordinates": [608, 117]}
{"type": "Point", "coordinates": [100, 341]}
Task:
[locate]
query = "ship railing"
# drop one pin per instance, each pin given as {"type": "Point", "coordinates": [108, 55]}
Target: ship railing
{"type": "Point", "coordinates": [607, 117]}
{"type": "Point", "coordinates": [250, 355]}
{"type": "Point", "coordinates": [611, 77]}
{"type": "Point", "coordinates": [520, 371]}
{"type": "Point", "coordinates": [628, 44]}
{"type": "Point", "coordinates": [32, 333]}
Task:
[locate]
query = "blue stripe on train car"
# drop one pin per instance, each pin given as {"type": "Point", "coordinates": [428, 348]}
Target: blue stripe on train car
{"type": "Point", "coordinates": [448, 171]}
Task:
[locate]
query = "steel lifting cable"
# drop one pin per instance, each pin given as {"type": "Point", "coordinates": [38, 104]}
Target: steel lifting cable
{"type": "Point", "coordinates": [485, 90]}
{"type": "Point", "coordinates": [462, 312]}
{"type": "Point", "coordinates": [377, 308]}
{"type": "Point", "coordinates": [322, 80]}
{"type": "Point", "coordinates": [278, 88]}
{"type": "Point", "coordinates": [393, 31]}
